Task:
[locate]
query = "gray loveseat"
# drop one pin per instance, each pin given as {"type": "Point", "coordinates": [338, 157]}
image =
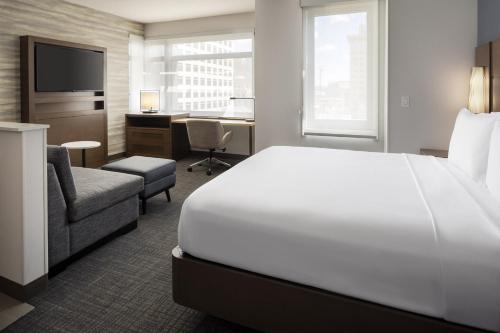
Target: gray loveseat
{"type": "Point", "coordinates": [86, 207]}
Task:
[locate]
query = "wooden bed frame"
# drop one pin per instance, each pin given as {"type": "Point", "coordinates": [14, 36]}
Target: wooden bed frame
{"type": "Point", "coordinates": [273, 305]}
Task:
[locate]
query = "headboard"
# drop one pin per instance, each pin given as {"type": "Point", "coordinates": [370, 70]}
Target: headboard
{"type": "Point", "coordinates": [488, 55]}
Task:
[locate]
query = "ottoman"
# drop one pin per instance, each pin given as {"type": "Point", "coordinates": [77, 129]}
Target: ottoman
{"type": "Point", "coordinates": [158, 174]}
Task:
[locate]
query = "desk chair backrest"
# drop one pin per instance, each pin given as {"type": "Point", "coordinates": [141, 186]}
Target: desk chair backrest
{"type": "Point", "coordinates": [207, 134]}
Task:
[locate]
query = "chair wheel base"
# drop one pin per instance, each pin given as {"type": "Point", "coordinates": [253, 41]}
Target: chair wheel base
{"type": "Point", "coordinates": [190, 169]}
{"type": "Point", "coordinates": [209, 173]}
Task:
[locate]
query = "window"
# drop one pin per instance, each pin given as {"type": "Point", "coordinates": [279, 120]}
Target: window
{"type": "Point", "coordinates": [201, 74]}
{"type": "Point", "coordinates": [341, 69]}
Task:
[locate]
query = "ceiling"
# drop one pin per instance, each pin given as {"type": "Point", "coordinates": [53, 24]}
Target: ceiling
{"type": "Point", "coordinates": [149, 11]}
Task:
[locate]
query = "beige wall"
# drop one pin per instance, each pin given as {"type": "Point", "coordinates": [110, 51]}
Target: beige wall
{"type": "Point", "coordinates": [60, 20]}
{"type": "Point", "coordinates": [431, 52]}
{"type": "Point", "coordinates": [201, 26]}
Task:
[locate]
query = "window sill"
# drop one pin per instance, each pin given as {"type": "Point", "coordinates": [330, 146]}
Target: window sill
{"type": "Point", "coordinates": [347, 136]}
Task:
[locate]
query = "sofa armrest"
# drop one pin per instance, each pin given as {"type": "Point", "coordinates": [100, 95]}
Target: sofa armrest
{"type": "Point", "coordinates": [58, 228]}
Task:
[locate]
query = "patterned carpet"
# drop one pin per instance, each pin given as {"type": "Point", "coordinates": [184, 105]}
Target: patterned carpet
{"type": "Point", "coordinates": [124, 286]}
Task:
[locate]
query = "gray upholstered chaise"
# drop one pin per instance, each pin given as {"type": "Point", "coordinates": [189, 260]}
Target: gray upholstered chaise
{"type": "Point", "coordinates": [86, 206]}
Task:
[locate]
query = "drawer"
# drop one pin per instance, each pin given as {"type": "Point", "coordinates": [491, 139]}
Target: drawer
{"type": "Point", "coordinates": [149, 142]}
{"type": "Point", "coordinates": [148, 136]}
{"type": "Point", "coordinates": [151, 151]}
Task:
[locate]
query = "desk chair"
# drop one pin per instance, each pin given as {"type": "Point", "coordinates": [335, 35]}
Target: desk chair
{"type": "Point", "coordinates": [208, 135]}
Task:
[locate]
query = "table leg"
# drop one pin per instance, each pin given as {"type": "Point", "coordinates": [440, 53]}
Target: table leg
{"type": "Point", "coordinates": [83, 158]}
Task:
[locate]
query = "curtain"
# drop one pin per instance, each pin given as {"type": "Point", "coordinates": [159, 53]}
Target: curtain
{"type": "Point", "coordinates": [136, 69]}
{"type": "Point", "coordinates": [315, 3]}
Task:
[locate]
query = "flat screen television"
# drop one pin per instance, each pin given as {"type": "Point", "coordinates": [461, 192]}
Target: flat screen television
{"type": "Point", "coordinates": [63, 69]}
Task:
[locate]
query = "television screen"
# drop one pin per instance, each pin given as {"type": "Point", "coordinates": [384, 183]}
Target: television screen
{"type": "Point", "coordinates": [59, 68]}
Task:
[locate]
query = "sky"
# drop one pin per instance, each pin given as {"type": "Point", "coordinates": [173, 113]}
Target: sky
{"type": "Point", "coordinates": [332, 46]}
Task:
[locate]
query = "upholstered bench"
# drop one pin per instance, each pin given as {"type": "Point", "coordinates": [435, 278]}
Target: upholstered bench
{"type": "Point", "coordinates": [158, 174]}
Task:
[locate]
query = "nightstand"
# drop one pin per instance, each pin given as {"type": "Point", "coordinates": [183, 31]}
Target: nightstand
{"type": "Point", "coordinates": [434, 152]}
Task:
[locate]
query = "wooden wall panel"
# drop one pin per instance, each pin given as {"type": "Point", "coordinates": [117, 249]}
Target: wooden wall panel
{"type": "Point", "coordinates": [84, 126]}
{"type": "Point", "coordinates": [483, 55]}
{"type": "Point", "coordinates": [483, 59]}
{"type": "Point", "coordinates": [495, 76]}
{"type": "Point", "coordinates": [57, 19]}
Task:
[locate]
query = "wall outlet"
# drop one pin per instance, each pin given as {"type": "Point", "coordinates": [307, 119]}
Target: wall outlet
{"type": "Point", "coordinates": [405, 101]}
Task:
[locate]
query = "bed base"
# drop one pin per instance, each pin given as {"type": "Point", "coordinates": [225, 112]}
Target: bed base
{"type": "Point", "coordinates": [273, 305]}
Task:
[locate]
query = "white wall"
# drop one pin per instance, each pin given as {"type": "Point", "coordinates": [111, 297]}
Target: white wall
{"type": "Point", "coordinates": [431, 51]}
{"type": "Point", "coordinates": [277, 72]}
{"type": "Point", "coordinates": [205, 26]}
{"type": "Point", "coordinates": [23, 208]}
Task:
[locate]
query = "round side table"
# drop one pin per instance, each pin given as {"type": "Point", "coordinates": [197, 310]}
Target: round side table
{"type": "Point", "coordinates": [83, 146]}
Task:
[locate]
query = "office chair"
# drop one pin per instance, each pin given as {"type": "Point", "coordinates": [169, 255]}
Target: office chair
{"type": "Point", "coordinates": [208, 135]}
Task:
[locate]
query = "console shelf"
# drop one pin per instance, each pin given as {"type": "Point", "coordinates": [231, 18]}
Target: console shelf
{"type": "Point", "coordinates": [72, 116]}
{"type": "Point", "coordinates": [69, 98]}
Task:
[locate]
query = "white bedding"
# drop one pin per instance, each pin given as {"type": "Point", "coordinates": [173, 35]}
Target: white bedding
{"type": "Point", "coordinates": [406, 231]}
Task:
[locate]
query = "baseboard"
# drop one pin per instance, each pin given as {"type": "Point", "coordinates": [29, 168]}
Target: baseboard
{"type": "Point", "coordinates": [58, 268]}
{"type": "Point", "coordinates": [200, 153]}
{"type": "Point", "coordinates": [20, 292]}
{"type": "Point", "coordinates": [204, 154]}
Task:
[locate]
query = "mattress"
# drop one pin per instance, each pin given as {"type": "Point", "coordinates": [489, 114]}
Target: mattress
{"type": "Point", "coordinates": [405, 231]}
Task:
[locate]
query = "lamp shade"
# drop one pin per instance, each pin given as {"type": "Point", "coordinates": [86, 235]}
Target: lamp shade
{"type": "Point", "coordinates": [479, 95]}
{"type": "Point", "coordinates": [150, 100]}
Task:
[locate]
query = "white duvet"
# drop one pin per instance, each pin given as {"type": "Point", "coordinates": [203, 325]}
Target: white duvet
{"type": "Point", "coordinates": [405, 231]}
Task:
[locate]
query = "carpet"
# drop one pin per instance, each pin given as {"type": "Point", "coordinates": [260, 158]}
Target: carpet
{"type": "Point", "coordinates": [125, 285]}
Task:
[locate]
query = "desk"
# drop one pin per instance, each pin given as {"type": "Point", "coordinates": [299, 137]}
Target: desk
{"type": "Point", "coordinates": [151, 134]}
{"type": "Point", "coordinates": [230, 123]}
{"type": "Point", "coordinates": [164, 135]}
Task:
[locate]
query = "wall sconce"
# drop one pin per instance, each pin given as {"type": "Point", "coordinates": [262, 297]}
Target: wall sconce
{"type": "Point", "coordinates": [150, 101]}
{"type": "Point", "coordinates": [479, 95]}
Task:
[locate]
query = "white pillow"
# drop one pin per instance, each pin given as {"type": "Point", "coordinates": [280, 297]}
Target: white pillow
{"type": "Point", "coordinates": [493, 174]}
{"type": "Point", "coordinates": [470, 143]}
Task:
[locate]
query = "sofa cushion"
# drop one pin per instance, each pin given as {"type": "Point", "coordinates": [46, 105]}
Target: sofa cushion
{"type": "Point", "coordinates": [97, 190]}
{"type": "Point", "coordinates": [59, 157]}
{"type": "Point", "coordinates": [58, 228]}
{"type": "Point", "coordinates": [152, 169]}
{"type": "Point", "coordinates": [101, 224]}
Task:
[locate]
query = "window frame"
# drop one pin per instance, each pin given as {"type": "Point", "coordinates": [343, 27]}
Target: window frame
{"type": "Point", "coordinates": [170, 64]}
{"type": "Point", "coordinates": [340, 128]}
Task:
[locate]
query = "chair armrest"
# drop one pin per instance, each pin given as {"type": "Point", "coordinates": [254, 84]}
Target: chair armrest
{"type": "Point", "coordinates": [225, 139]}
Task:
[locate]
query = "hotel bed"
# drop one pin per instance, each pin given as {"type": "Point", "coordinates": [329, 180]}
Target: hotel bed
{"type": "Point", "coordinates": [296, 239]}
